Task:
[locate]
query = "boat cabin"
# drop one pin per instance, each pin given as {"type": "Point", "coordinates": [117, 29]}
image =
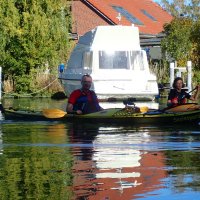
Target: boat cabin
{"type": "Point", "coordinates": [113, 57]}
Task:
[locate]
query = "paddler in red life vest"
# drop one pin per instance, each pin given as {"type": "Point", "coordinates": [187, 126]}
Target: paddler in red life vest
{"type": "Point", "coordinates": [178, 96]}
{"type": "Point", "coordinates": [84, 100]}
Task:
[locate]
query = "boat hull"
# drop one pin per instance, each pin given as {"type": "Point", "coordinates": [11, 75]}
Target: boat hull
{"type": "Point", "coordinates": [114, 115]}
{"type": "Point", "coordinates": [118, 89]}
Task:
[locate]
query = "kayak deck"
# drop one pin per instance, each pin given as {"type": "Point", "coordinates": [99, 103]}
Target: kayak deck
{"type": "Point", "coordinates": [113, 115]}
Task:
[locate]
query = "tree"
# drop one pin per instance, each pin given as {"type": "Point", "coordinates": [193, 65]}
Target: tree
{"type": "Point", "coordinates": [187, 8]}
{"type": "Point", "coordinates": [195, 38]}
{"type": "Point", "coordinates": [177, 42]}
{"type": "Point", "coordinates": [33, 33]}
{"type": "Point", "coordinates": [182, 41]}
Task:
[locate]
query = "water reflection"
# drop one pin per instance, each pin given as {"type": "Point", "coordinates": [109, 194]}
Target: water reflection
{"type": "Point", "coordinates": [135, 162]}
{"type": "Point", "coordinates": [113, 168]}
{"type": "Point", "coordinates": [42, 103]}
{"type": "Point", "coordinates": [34, 103]}
{"type": "Point", "coordinates": [34, 172]}
{"type": "Point", "coordinates": [43, 160]}
{"type": "Point", "coordinates": [123, 167]}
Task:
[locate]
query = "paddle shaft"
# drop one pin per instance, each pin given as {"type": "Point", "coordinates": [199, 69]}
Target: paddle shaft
{"type": "Point", "coordinates": [188, 93]}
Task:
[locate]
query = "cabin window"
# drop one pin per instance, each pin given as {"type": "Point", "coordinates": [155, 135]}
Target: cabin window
{"type": "Point", "coordinates": [137, 60]}
{"type": "Point", "coordinates": [113, 60]}
{"type": "Point", "coordinates": [75, 61]}
{"type": "Point", "coordinates": [87, 60]}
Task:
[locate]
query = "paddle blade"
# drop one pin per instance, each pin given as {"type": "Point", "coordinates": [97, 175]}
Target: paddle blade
{"type": "Point", "coordinates": [53, 113]}
{"type": "Point", "coordinates": [184, 108]}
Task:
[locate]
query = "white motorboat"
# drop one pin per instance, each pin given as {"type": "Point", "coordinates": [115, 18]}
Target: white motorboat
{"type": "Point", "coordinates": [113, 57]}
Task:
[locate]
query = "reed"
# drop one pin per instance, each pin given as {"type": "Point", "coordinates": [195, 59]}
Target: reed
{"type": "Point", "coordinates": [40, 84]}
{"type": "Point", "coordinates": [161, 70]}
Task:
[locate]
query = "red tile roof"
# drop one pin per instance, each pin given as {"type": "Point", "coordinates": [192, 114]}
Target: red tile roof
{"type": "Point", "coordinates": [134, 7]}
{"type": "Point", "coordinates": [84, 18]}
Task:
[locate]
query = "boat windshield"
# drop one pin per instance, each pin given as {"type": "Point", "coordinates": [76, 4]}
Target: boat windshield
{"type": "Point", "coordinates": [137, 60]}
{"type": "Point", "coordinates": [113, 60]}
{"type": "Point", "coordinates": [134, 60]}
{"type": "Point", "coordinates": [87, 60]}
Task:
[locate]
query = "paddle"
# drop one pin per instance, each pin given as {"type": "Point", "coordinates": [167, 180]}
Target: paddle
{"type": "Point", "coordinates": [182, 107]}
{"type": "Point", "coordinates": [177, 105]}
{"type": "Point", "coordinates": [188, 93]}
{"type": "Point", "coordinates": [53, 113]}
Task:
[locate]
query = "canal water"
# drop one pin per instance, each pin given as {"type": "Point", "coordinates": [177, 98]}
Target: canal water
{"type": "Point", "coordinates": [64, 161]}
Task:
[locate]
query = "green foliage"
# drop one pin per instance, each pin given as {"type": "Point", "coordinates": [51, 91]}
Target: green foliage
{"type": "Point", "coordinates": [22, 84]}
{"type": "Point", "coordinates": [182, 41]}
{"type": "Point", "coordinates": [177, 42]}
{"type": "Point", "coordinates": [196, 77]}
{"type": "Point", "coordinates": [195, 37]}
{"type": "Point", "coordinates": [33, 33]}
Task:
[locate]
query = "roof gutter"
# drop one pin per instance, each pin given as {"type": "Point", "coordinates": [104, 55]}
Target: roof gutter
{"type": "Point", "coordinates": [104, 16]}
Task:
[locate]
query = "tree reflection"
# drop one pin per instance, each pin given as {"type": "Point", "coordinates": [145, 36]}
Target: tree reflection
{"type": "Point", "coordinates": [30, 168]}
{"type": "Point", "coordinates": [185, 169]}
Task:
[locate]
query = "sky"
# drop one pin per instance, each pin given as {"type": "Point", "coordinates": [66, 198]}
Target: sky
{"type": "Point", "coordinates": [158, 1]}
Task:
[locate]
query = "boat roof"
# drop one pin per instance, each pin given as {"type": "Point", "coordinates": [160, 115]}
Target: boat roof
{"type": "Point", "coordinates": [118, 38]}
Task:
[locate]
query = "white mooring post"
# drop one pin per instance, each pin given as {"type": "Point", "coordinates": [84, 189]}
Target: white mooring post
{"type": "Point", "coordinates": [179, 72]}
{"type": "Point", "coordinates": [189, 76]}
{"type": "Point", "coordinates": [172, 66]}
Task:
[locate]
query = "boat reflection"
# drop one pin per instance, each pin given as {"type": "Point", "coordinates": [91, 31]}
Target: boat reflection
{"type": "Point", "coordinates": [115, 166]}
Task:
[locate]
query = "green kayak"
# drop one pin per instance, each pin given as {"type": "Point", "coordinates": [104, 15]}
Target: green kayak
{"type": "Point", "coordinates": [112, 115]}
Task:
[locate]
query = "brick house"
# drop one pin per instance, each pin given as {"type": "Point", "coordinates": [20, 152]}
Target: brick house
{"type": "Point", "coordinates": [148, 16]}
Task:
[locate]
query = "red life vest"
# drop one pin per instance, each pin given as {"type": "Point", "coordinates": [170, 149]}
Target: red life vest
{"type": "Point", "coordinates": [87, 102]}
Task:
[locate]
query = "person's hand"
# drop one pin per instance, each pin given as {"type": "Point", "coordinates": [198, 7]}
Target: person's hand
{"type": "Point", "coordinates": [198, 87]}
{"type": "Point", "coordinates": [171, 104]}
{"type": "Point", "coordinates": [79, 112]}
{"type": "Point", "coordinates": [175, 102]}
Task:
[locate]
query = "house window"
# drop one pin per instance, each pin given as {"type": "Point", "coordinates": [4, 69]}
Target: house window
{"type": "Point", "coordinates": [148, 15]}
{"type": "Point", "coordinates": [113, 60]}
{"type": "Point", "coordinates": [127, 15]}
